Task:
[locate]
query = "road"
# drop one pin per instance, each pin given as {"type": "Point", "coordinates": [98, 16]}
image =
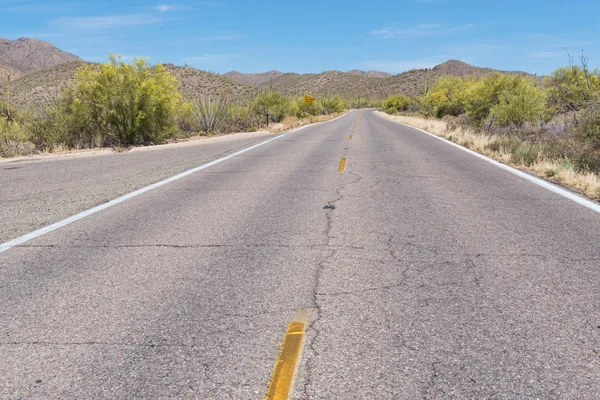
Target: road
{"type": "Point", "coordinates": [437, 275]}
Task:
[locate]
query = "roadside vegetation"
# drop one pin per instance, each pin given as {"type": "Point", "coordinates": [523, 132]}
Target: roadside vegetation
{"type": "Point", "coordinates": [550, 126]}
{"type": "Point", "coordinates": [119, 104]}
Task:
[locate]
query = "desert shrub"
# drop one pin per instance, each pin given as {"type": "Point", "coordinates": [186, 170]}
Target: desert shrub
{"type": "Point", "coordinates": [62, 121]}
{"type": "Point", "coordinates": [572, 88]}
{"type": "Point", "coordinates": [303, 110]}
{"type": "Point", "coordinates": [396, 103]}
{"type": "Point", "coordinates": [448, 96]}
{"type": "Point", "coordinates": [485, 94]}
{"type": "Point", "coordinates": [14, 139]}
{"type": "Point", "coordinates": [278, 105]}
{"type": "Point", "coordinates": [527, 153]}
{"type": "Point", "coordinates": [241, 118]}
{"type": "Point", "coordinates": [210, 115]}
{"type": "Point", "coordinates": [520, 103]}
{"type": "Point", "coordinates": [333, 104]}
{"type": "Point", "coordinates": [126, 103]}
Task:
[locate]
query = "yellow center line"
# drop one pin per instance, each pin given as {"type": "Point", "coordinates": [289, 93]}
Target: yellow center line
{"type": "Point", "coordinates": [289, 356]}
{"type": "Point", "coordinates": [350, 138]}
{"type": "Point", "coordinates": [342, 165]}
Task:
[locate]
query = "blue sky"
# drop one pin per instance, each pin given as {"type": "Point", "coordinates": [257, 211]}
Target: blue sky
{"type": "Point", "coordinates": [313, 36]}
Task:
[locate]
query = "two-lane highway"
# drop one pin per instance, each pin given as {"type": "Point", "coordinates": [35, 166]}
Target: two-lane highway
{"type": "Point", "coordinates": [421, 272]}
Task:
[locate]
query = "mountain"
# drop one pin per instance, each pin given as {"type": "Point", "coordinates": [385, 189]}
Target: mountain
{"type": "Point", "coordinates": [6, 71]}
{"type": "Point", "coordinates": [259, 79]}
{"type": "Point", "coordinates": [33, 89]}
{"type": "Point", "coordinates": [370, 74]}
{"type": "Point", "coordinates": [196, 83]}
{"type": "Point", "coordinates": [252, 79]}
{"type": "Point", "coordinates": [459, 68]}
{"type": "Point", "coordinates": [31, 55]}
{"type": "Point", "coordinates": [354, 84]}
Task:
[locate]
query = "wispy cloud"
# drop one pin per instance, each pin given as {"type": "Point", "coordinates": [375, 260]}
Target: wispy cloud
{"type": "Point", "coordinates": [168, 7]}
{"type": "Point", "coordinates": [422, 30]}
{"type": "Point", "coordinates": [100, 23]}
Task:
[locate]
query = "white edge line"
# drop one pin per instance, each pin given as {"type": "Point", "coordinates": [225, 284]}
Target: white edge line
{"type": "Point", "coordinates": [47, 229]}
{"type": "Point", "coordinates": [538, 181]}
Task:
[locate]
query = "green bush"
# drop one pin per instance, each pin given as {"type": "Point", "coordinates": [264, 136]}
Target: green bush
{"type": "Point", "coordinates": [278, 105]}
{"type": "Point", "coordinates": [396, 103]}
{"type": "Point", "coordinates": [303, 110]}
{"type": "Point", "coordinates": [485, 94]}
{"type": "Point", "coordinates": [521, 103]}
{"type": "Point", "coordinates": [14, 139]}
{"type": "Point", "coordinates": [333, 104]}
{"type": "Point", "coordinates": [126, 104]}
{"type": "Point", "coordinates": [572, 88]}
{"type": "Point", "coordinates": [448, 96]}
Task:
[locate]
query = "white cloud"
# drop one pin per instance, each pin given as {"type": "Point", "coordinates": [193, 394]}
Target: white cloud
{"type": "Point", "coordinates": [167, 7]}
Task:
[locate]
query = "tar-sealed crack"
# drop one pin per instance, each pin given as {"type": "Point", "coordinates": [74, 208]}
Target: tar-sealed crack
{"type": "Point", "coordinates": [432, 378]}
{"type": "Point", "coordinates": [313, 326]}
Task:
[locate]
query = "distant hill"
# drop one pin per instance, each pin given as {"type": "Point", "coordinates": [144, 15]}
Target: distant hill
{"type": "Point", "coordinates": [196, 83]}
{"type": "Point", "coordinates": [459, 68]}
{"type": "Point", "coordinates": [352, 84]}
{"type": "Point", "coordinates": [36, 88]}
{"type": "Point", "coordinates": [252, 79]}
{"type": "Point", "coordinates": [33, 85]}
{"type": "Point", "coordinates": [31, 55]}
{"type": "Point", "coordinates": [262, 78]}
{"type": "Point", "coordinates": [370, 74]}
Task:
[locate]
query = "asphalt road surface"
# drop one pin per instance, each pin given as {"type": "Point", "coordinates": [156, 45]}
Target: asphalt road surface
{"type": "Point", "coordinates": [437, 275]}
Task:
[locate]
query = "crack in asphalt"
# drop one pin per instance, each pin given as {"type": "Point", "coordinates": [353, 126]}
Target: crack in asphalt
{"type": "Point", "coordinates": [329, 215]}
{"type": "Point", "coordinates": [432, 378]}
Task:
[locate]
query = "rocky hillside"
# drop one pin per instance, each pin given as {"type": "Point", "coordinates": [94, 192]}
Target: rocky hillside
{"type": "Point", "coordinates": [31, 55]}
{"type": "Point", "coordinates": [252, 79]}
{"type": "Point", "coordinates": [195, 83]}
{"type": "Point", "coordinates": [33, 90]}
{"type": "Point", "coordinates": [7, 71]}
{"type": "Point", "coordinates": [370, 74]}
{"type": "Point", "coordinates": [348, 84]}
{"type": "Point", "coordinates": [38, 70]}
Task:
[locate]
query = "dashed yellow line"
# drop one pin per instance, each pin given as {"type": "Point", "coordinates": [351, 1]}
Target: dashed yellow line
{"type": "Point", "coordinates": [342, 165]}
{"type": "Point", "coordinates": [289, 356]}
{"type": "Point", "coordinates": [350, 138]}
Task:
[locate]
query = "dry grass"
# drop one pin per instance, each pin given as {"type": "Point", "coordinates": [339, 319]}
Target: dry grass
{"type": "Point", "coordinates": [559, 171]}
{"type": "Point", "coordinates": [294, 122]}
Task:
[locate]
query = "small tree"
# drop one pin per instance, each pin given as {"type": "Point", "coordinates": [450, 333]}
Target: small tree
{"type": "Point", "coordinates": [523, 103]}
{"type": "Point", "coordinates": [127, 103]}
{"type": "Point", "coordinates": [396, 103]}
{"type": "Point", "coordinates": [574, 87]}
{"type": "Point", "coordinates": [449, 95]}
{"type": "Point", "coordinates": [333, 104]}
{"type": "Point", "coordinates": [303, 110]}
{"type": "Point", "coordinates": [278, 105]}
